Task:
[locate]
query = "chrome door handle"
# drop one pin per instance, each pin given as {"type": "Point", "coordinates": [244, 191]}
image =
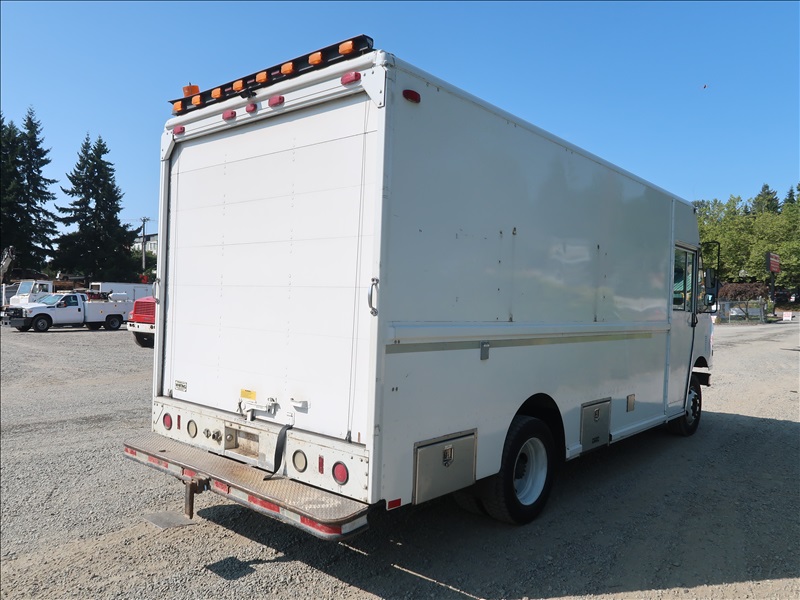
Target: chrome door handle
{"type": "Point", "coordinates": [373, 286]}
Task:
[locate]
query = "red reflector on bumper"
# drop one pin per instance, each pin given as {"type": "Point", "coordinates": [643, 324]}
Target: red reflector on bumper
{"type": "Point", "coordinates": [263, 503]}
{"type": "Point", "coordinates": [222, 487]}
{"type": "Point", "coordinates": [130, 451]}
{"type": "Point", "coordinates": [158, 461]}
{"type": "Point", "coordinates": [333, 530]}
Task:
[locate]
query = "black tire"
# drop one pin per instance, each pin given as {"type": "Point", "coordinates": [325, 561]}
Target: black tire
{"type": "Point", "coordinates": [40, 324]}
{"type": "Point", "coordinates": [93, 326]}
{"type": "Point", "coordinates": [689, 421]}
{"type": "Point", "coordinates": [469, 500]}
{"type": "Point", "coordinates": [144, 340]}
{"type": "Point", "coordinates": [519, 492]}
{"type": "Point", "coordinates": [24, 328]}
{"type": "Point", "coordinates": [113, 322]}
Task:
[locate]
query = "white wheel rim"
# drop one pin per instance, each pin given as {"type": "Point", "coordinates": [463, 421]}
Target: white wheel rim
{"type": "Point", "coordinates": [691, 407]}
{"type": "Point", "coordinates": [530, 471]}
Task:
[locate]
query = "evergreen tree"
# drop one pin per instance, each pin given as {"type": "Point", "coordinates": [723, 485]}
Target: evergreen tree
{"type": "Point", "coordinates": [766, 201]}
{"type": "Point", "coordinates": [27, 224]}
{"type": "Point", "coordinates": [791, 198]}
{"type": "Point", "coordinates": [10, 184]}
{"type": "Point", "coordinates": [36, 192]}
{"type": "Point", "coordinates": [100, 246]}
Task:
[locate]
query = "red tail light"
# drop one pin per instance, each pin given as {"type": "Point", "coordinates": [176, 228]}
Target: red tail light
{"type": "Point", "coordinates": [340, 474]}
{"type": "Point", "coordinates": [167, 421]}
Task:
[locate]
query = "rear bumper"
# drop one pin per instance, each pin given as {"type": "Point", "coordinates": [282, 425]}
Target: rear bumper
{"type": "Point", "coordinates": [324, 514]}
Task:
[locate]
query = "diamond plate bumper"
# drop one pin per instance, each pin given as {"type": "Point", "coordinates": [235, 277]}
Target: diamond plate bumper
{"type": "Point", "coordinates": [322, 513]}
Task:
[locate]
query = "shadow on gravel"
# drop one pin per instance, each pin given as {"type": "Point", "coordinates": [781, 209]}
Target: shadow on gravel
{"type": "Point", "coordinates": [653, 512]}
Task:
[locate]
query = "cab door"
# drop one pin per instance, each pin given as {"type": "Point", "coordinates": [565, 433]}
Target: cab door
{"type": "Point", "coordinates": [683, 326]}
{"type": "Point", "coordinates": [68, 310]}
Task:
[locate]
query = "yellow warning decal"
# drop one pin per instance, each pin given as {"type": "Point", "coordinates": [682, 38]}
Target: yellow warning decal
{"type": "Point", "coordinates": [248, 395]}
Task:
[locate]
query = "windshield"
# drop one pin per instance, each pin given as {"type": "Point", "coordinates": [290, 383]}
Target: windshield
{"type": "Point", "coordinates": [50, 300]}
{"type": "Point", "coordinates": [25, 287]}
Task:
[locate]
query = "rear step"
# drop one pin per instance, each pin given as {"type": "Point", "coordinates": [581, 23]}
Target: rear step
{"type": "Point", "coordinates": [319, 512]}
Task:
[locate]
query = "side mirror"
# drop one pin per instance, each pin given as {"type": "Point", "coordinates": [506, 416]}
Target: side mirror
{"type": "Point", "coordinates": [711, 279]}
{"type": "Point", "coordinates": [61, 304]}
{"type": "Point", "coordinates": [711, 284]}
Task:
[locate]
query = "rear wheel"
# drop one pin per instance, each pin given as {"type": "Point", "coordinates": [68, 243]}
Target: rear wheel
{"type": "Point", "coordinates": [689, 421]}
{"type": "Point", "coordinates": [469, 500]}
{"type": "Point", "coordinates": [41, 324]}
{"type": "Point", "coordinates": [518, 493]}
{"type": "Point", "coordinates": [113, 322]}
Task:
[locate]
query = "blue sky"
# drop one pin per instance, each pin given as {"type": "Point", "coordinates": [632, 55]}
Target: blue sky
{"type": "Point", "coordinates": [702, 99]}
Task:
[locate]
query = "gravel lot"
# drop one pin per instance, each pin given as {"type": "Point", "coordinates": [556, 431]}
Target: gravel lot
{"type": "Point", "coordinates": [716, 515]}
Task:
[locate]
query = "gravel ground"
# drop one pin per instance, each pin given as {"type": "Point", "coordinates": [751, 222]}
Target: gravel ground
{"type": "Point", "coordinates": [716, 515]}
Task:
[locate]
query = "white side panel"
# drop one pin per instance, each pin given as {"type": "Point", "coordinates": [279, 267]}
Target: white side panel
{"type": "Point", "coordinates": [269, 227]}
{"type": "Point", "coordinates": [494, 231]}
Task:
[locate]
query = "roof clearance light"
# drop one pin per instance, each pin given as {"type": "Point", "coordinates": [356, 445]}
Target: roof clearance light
{"type": "Point", "coordinates": [251, 108]}
{"type": "Point", "coordinates": [190, 90]}
{"type": "Point", "coordinates": [276, 101]}
{"type": "Point", "coordinates": [229, 114]}
{"type": "Point", "coordinates": [351, 77]}
{"type": "Point", "coordinates": [216, 93]}
{"type": "Point", "coordinates": [179, 130]}
{"type": "Point", "coordinates": [412, 96]}
{"type": "Point", "coordinates": [287, 68]}
{"type": "Point", "coordinates": [315, 59]}
{"type": "Point", "coordinates": [238, 85]}
{"type": "Point", "coordinates": [261, 77]}
{"type": "Point", "coordinates": [177, 106]}
{"type": "Point", "coordinates": [346, 47]}
{"type": "Point", "coordinates": [197, 100]}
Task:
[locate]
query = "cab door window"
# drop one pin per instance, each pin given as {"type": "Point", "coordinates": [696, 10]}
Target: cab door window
{"type": "Point", "coordinates": [683, 280]}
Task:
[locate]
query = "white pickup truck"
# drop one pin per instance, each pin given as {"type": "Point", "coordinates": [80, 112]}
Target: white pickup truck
{"type": "Point", "coordinates": [68, 310]}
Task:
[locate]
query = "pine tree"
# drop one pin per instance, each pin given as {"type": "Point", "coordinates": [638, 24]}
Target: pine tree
{"type": "Point", "coordinates": [10, 184]}
{"type": "Point", "coordinates": [791, 198]}
{"type": "Point", "coordinates": [100, 246]}
{"type": "Point", "coordinates": [36, 192]}
{"type": "Point", "coordinates": [766, 201]}
{"type": "Point", "coordinates": [27, 224]}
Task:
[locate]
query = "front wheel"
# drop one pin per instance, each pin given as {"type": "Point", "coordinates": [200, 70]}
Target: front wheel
{"type": "Point", "coordinates": [518, 493]}
{"type": "Point", "coordinates": [113, 322]}
{"type": "Point", "coordinates": [41, 324]}
{"type": "Point", "coordinates": [689, 421]}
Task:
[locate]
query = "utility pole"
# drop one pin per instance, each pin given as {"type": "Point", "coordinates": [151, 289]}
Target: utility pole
{"type": "Point", "coordinates": [144, 253]}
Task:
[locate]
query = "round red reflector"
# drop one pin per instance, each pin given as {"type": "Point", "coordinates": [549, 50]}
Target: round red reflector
{"type": "Point", "coordinates": [167, 421]}
{"type": "Point", "coordinates": [229, 114]}
{"type": "Point", "coordinates": [179, 130]}
{"type": "Point", "coordinates": [412, 96]}
{"type": "Point", "coordinates": [340, 474]}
